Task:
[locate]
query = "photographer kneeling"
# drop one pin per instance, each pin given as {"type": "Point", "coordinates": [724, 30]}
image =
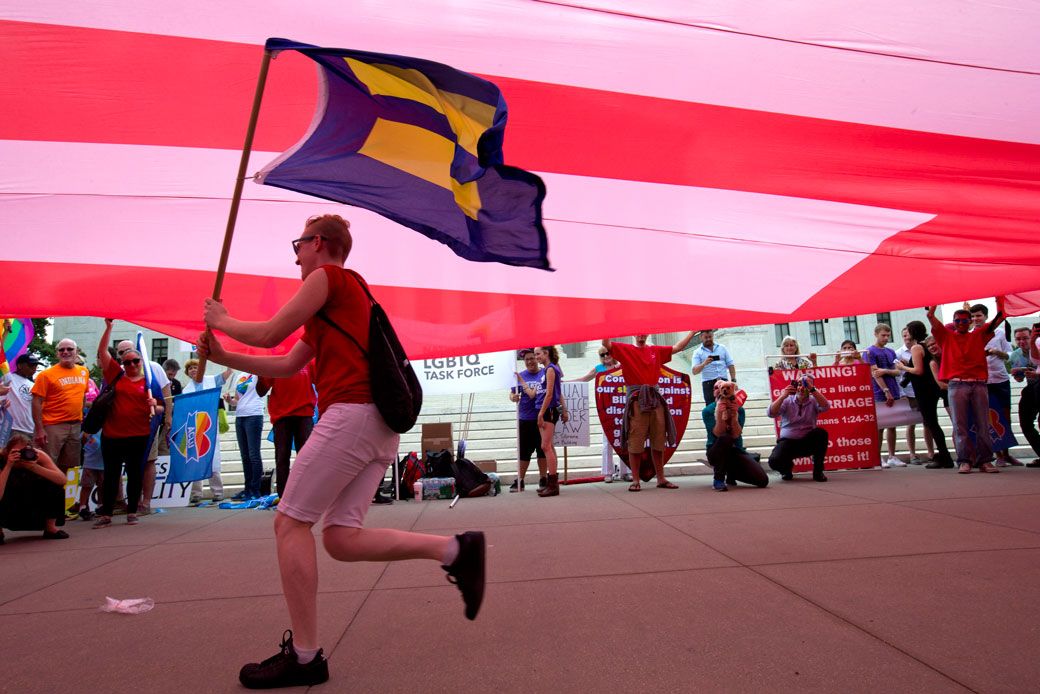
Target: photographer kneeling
{"type": "Point", "coordinates": [32, 489]}
{"type": "Point", "coordinates": [798, 407]}
{"type": "Point", "coordinates": [724, 422]}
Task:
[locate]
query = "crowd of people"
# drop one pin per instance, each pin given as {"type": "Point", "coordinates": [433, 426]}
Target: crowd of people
{"type": "Point", "coordinates": [344, 451]}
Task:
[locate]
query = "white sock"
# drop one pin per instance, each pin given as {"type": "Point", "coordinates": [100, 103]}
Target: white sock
{"type": "Point", "coordinates": [305, 655]}
{"type": "Point", "coordinates": [452, 552]}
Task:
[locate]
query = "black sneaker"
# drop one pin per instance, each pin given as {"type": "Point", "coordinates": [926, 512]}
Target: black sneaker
{"type": "Point", "coordinates": [380, 499]}
{"type": "Point", "coordinates": [514, 488]}
{"type": "Point", "coordinates": [467, 571]}
{"type": "Point", "coordinates": [283, 670]}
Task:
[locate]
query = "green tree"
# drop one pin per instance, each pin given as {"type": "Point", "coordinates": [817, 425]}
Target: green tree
{"type": "Point", "coordinates": [38, 346]}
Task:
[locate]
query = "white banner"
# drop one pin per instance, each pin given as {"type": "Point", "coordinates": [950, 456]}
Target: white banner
{"type": "Point", "coordinates": [575, 431]}
{"type": "Point", "coordinates": [163, 496]}
{"type": "Point", "coordinates": [471, 373]}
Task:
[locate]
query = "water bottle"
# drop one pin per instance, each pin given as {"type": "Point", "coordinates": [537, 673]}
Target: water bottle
{"type": "Point", "coordinates": [417, 490]}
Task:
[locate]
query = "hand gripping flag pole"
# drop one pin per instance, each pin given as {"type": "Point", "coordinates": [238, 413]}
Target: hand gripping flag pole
{"type": "Point", "coordinates": [237, 197]}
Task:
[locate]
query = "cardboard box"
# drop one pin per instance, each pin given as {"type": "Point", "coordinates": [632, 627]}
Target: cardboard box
{"type": "Point", "coordinates": [437, 436]}
{"type": "Point", "coordinates": [487, 465]}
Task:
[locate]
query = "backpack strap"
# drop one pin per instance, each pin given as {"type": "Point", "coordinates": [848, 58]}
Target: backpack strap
{"type": "Point", "coordinates": [324, 316]}
{"type": "Point", "coordinates": [357, 277]}
{"type": "Point", "coordinates": [321, 314]}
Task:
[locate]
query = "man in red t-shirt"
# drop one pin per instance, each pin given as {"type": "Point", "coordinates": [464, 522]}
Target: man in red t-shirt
{"type": "Point", "coordinates": [291, 407]}
{"type": "Point", "coordinates": [346, 456]}
{"type": "Point", "coordinates": [964, 367]}
{"type": "Point", "coordinates": [646, 412]}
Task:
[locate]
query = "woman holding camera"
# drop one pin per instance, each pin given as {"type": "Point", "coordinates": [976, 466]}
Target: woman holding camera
{"type": "Point", "coordinates": [127, 429]}
{"type": "Point", "coordinates": [32, 489]}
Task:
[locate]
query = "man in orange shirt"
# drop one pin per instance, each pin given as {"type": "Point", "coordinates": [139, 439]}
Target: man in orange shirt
{"type": "Point", "coordinates": [59, 396]}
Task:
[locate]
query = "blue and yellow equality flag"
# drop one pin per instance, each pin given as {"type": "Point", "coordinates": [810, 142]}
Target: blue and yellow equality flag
{"type": "Point", "coordinates": [194, 436]}
{"type": "Point", "coordinates": [419, 143]}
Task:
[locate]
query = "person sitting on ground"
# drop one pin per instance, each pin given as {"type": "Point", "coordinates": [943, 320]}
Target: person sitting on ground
{"type": "Point", "coordinates": [964, 368]}
{"type": "Point", "coordinates": [646, 412]}
{"type": "Point", "coordinates": [612, 464]}
{"type": "Point", "coordinates": [32, 489]}
{"type": "Point", "coordinates": [724, 424]}
{"type": "Point", "coordinates": [798, 407]}
{"type": "Point", "coordinates": [793, 359]}
{"type": "Point", "coordinates": [848, 354]}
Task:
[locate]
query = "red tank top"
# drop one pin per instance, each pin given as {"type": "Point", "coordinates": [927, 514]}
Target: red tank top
{"type": "Point", "coordinates": [343, 374]}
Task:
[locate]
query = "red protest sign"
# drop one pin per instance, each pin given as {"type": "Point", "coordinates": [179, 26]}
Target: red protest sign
{"type": "Point", "coordinates": [610, 403]}
{"type": "Point", "coordinates": [851, 424]}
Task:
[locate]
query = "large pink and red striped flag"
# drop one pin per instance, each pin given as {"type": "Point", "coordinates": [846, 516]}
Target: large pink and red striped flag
{"type": "Point", "coordinates": [704, 167]}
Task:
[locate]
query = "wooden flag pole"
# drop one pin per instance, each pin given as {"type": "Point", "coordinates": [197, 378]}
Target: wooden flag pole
{"type": "Point", "coordinates": [237, 197]}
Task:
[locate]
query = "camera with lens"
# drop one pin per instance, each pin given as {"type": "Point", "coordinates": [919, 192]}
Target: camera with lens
{"type": "Point", "coordinates": [28, 453]}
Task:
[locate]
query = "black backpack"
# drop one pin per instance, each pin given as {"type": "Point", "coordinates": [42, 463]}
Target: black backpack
{"type": "Point", "coordinates": [438, 463]}
{"type": "Point", "coordinates": [395, 387]}
{"type": "Point", "coordinates": [470, 480]}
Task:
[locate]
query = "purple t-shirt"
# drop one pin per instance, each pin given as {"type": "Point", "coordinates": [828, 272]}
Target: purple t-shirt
{"type": "Point", "coordinates": [554, 401]}
{"type": "Point", "coordinates": [527, 410]}
{"type": "Point", "coordinates": [883, 358]}
{"type": "Point", "coordinates": [797, 419]}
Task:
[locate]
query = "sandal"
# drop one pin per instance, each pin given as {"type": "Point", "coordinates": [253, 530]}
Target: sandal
{"type": "Point", "coordinates": [667, 485]}
{"type": "Point", "coordinates": [634, 487]}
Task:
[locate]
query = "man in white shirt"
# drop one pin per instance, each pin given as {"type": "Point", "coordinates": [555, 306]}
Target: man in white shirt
{"type": "Point", "coordinates": [18, 402]}
{"type": "Point", "coordinates": [712, 362]}
{"type": "Point", "coordinates": [998, 382]}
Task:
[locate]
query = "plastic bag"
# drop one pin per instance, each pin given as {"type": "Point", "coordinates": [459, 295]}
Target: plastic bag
{"type": "Point", "coordinates": [129, 606]}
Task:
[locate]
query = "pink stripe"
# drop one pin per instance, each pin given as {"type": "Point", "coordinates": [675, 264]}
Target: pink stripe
{"type": "Point", "coordinates": [635, 56]}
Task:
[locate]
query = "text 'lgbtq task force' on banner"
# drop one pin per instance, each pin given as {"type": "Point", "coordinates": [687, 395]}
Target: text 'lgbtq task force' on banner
{"type": "Point", "coordinates": [470, 373]}
{"type": "Point", "coordinates": [611, 396]}
{"type": "Point", "coordinates": [851, 423]}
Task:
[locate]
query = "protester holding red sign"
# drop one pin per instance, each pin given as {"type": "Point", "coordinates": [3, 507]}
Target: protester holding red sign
{"type": "Point", "coordinates": [646, 412]}
{"type": "Point", "coordinates": [798, 406]}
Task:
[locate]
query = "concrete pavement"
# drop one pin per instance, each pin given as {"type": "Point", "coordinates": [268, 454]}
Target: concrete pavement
{"type": "Point", "coordinates": [878, 581]}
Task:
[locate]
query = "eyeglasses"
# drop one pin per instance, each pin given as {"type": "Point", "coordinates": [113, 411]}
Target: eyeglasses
{"type": "Point", "coordinates": [604, 354]}
{"type": "Point", "coordinates": [962, 320]}
{"type": "Point", "coordinates": [297, 242]}
{"type": "Point", "coordinates": [127, 362]}
{"type": "Point", "coordinates": [66, 349]}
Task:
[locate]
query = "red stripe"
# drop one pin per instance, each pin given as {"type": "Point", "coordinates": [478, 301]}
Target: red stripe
{"type": "Point", "coordinates": [435, 322]}
{"type": "Point", "coordinates": [170, 94]}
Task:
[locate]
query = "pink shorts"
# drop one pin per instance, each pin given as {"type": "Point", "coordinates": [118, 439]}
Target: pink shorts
{"type": "Point", "coordinates": [337, 471]}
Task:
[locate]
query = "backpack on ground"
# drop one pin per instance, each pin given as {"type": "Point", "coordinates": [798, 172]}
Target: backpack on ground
{"type": "Point", "coordinates": [395, 387]}
{"type": "Point", "coordinates": [438, 463]}
{"type": "Point", "coordinates": [470, 480]}
{"type": "Point", "coordinates": [410, 470]}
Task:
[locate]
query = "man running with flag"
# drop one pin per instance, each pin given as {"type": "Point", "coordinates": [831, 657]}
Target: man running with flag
{"type": "Point", "coordinates": [336, 474]}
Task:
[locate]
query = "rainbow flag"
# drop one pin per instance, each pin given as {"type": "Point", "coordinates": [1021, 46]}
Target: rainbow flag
{"type": "Point", "coordinates": [194, 436]}
{"type": "Point", "coordinates": [17, 334]}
